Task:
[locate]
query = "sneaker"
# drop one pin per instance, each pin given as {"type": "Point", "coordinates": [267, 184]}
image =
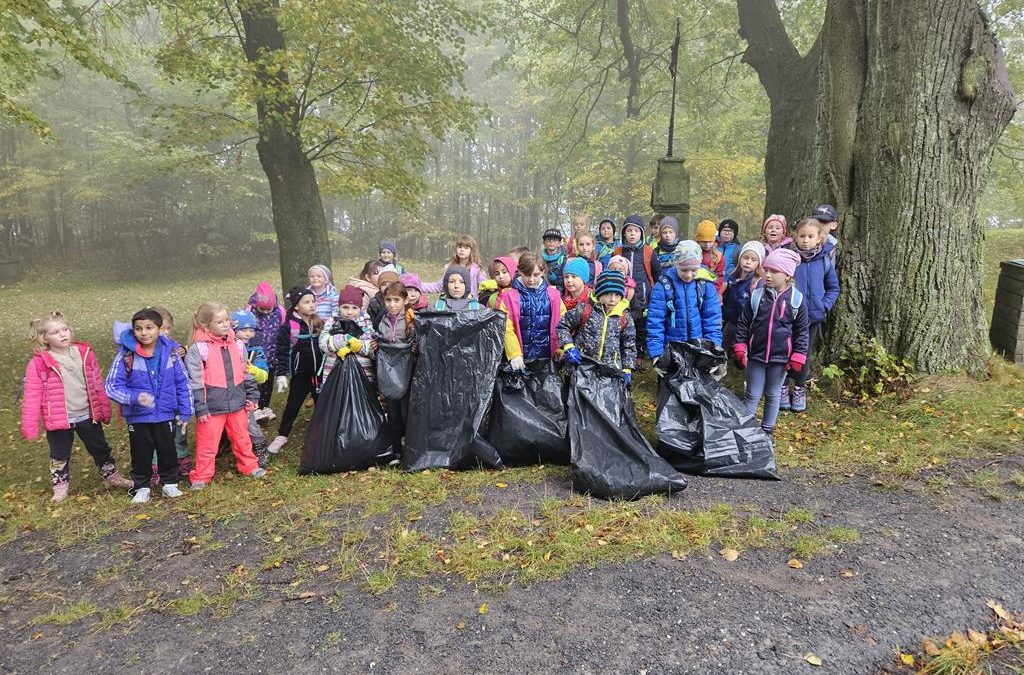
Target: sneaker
{"type": "Point", "coordinates": [258, 473]}
{"type": "Point", "coordinates": [799, 401]}
{"type": "Point", "coordinates": [784, 402]}
{"type": "Point", "coordinates": [276, 444]}
{"type": "Point", "coordinates": [268, 413]}
{"type": "Point", "coordinates": [171, 490]}
{"type": "Point", "coordinates": [60, 492]}
{"type": "Point", "coordinates": [141, 496]}
{"type": "Point", "coordinates": [117, 481]}
{"type": "Point", "coordinates": [198, 485]}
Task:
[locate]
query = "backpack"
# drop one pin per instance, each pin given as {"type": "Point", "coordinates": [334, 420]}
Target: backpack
{"type": "Point", "coordinates": [648, 255]}
{"type": "Point", "coordinates": [670, 296]}
{"type": "Point", "coordinates": [588, 309]}
{"type": "Point", "coordinates": [796, 299]}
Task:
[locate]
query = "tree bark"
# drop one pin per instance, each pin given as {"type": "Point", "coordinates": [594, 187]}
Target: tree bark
{"type": "Point", "coordinates": [294, 194]}
{"type": "Point", "coordinates": [894, 122]}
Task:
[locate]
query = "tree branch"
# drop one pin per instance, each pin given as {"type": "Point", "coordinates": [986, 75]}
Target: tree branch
{"type": "Point", "coordinates": [770, 52]}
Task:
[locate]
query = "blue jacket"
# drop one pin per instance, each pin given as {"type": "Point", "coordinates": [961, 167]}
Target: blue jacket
{"type": "Point", "coordinates": [534, 320]}
{"type": "Point", "coordinates": [818, 281]}
{"type": "Point", "coordinates": [777, 331]}
{"type": "Point", "coordinates": [731, 252]}
{"type": "Point", "coordinates": [683, 311]}
{"type": "Point", "coordinates": [162, 375]}
{"type": "Point", "coordinates": [737, 294]}
{"type": "Point", "coordinates": [665, 253]}
{"type": "Point", "coordinates": [556, 266]}
{"type": "Point", "coordinates": [605, 250]}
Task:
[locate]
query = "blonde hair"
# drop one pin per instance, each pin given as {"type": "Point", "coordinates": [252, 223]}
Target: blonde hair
{"type": "Point", "coordinates": [474, 252]}
{"type": "Point", "coordinates": [40, 324]}
{"type": "Point", "coordinates": [809, 222]}
{"type": "Point", "coordinates": [205, 315]}
{"type": "Point", "coordinates": [580, 221]}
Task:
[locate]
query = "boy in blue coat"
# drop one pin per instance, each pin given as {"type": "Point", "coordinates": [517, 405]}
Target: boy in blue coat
{"type": "Point", "coordinates": [149, 380]}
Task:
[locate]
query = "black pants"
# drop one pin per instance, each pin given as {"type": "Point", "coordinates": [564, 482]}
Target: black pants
{"type": "Point", "coordinates": [813, 335]}
{"type": "Point", "coordinates": [267, 390]}
{"type": "Point", "coordinates": [301, 386]}
{"type": "Point", "coordinates": [144, 439]}
{"type": "Point", "coordinates": [62, 440]}
{"type": "Point", "coordinates": [640, 323]}
{"type": "Point", "coordinates": [398, 413]}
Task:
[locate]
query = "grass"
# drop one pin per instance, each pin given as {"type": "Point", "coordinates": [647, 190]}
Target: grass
{"type": "Point", "coordinates": [67, 614]}
{"type": "Point", "coordinates": [997, 649]}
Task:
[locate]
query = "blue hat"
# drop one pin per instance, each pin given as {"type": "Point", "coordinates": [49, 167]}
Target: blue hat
{"type": "Point", "coordinates": [578, 267]}
{"type": "Point", "coordinates": [241, 319]}
{"type": "Point", "coordinates": [388, 245]}
{"type": "Point", "coordinates": [825, 213]}
{"type": "Point", "coordinates": [610, 281]}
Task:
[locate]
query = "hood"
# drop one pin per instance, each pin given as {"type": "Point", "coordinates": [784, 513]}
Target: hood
{"type": "Point", "coordinates": [509, 264]}
{"type": "Point", "coordinates": [125, 336]}
{"type": "Point", "coordinates": [635, 221]}
{"type": "Point", "coordinates": [200, 334]}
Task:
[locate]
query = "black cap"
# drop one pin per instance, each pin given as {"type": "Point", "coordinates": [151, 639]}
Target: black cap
{"type": "Point", "coordinates": [826, 213]}
{"type": "Point", "coordinates": [553, 233]}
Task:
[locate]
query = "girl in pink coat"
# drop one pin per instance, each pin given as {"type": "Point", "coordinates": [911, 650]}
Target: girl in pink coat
{"type": "Point", "coordinates": [64, 390]}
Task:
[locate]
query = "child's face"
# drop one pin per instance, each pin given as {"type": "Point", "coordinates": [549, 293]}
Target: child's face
{"type": "Point", "coordinates": [574, 284]}
{"type": "Point", "coordinates": [414, 296]}
{"type": "Point", "coordinates": [220, 325]}
{"type": "Point", "coordinates": [748, 262]}
{"type": "Point", "coordinates": [306, 306]}
{"type": "Point", "coordinates": [245, 334]}
{"type": "Point", "coordinates": [609, 300]}
{"type": "Point", "coordinates": [607, 230]}
{"type": "Point", "coordinates": [317, 279]}
{"type": "Point", "coordinates": [147, 332]}
{"type": "Point", "coordinates": [167, 327]}
{"type": "Point", "coordinates": [502, 276]}
{"type": "Point", "coordinates": [57, 335]}
{"type": "Point", "coordinates": [726, 235]}
{"type": "Point", "coordinates": [619, 266]}
{"type": "Point", "coordinates": [456, 288]}
{"type": "Point", "coordinates": [534, 279]}
{"type": "Point", "coordinates": [585, 247]}
{"type": "Point", "coordinates": [260, 310]}
{"type": "Point", "coordinates": [807, 238]}
{"type": "Point", "coordinates": [686, 274]}
{"type": "Point", "coordinates": [382, 286]}
{"type": "Point", "coordinates": [348, 311]}
{"type": "Point", "coordinates": [386, 256]}
{"type": "Point", "coordinates": [706, 245]}
{"type": "Point", "coordinates": [371, 277]}
{"type": "Point", "coordinates": [394, 304]}
{"type": "Point", "coordinates": [462, 252]}
{"type": "Point", "coordinates": [632, 234]}
{"type": "Point", "coordinates": [776, 279]}
{"type": "Point", "coordinates": [551, 245]}
{"type": "Point", "coordinates": [773, 232]}
{"type": "Point", "coordinates": [668, 235]}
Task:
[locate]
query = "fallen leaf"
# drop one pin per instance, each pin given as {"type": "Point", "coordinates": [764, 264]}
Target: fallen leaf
{"type": "Point", "coordinates": [461, 625]}
{"type": "Point", "coordinates": [955, 639]}
{"type": "Point", "coordinates": [847, 574]}
{"type": "Point", "coordinates": [322, 568]}
{"type": "Point", "coordinates": [729, 554]}
{"type": "Point", "coordinates": [501, 485]}
{"type": "Point", "coordinates": [930, 648]}
{"type": "Point", "coordinates": [278, 539]}
{"type": "Point", "coordinates": [414, 517]}
{"type": "Point", "coordinates": [797, 565]}
{"type": "Point", "coordinates": [998, 609]}
{"type": "Point", "coordinates": [813, 659]}
{"type": "Point", "coordinates": [547, 556]}
{"type": "Point", "coordinates": [483, 608]}
{"type": "Point", "coordinates": [305, 594]}
{"type": "Point", "coordinates": [37, 635]}
{"type": "Point", "coordinates": [977, 637]}
{"type": "Point", "coordinates": [678, 555]}
{"type": "Point", "coordinates": [907, 659]}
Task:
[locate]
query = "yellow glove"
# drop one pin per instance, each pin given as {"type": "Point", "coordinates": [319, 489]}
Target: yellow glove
{"type": "Point", "coordinates": [343, 352]}
{"type": "Point", "coordinates": [355, 344]}
{"type": "Point", "coordinates": [258, 374]}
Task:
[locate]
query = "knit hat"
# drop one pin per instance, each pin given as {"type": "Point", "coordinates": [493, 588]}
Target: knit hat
{"type": "Point", "coordinates": [706, 231]}
{"type": "Point", "coordinates": [775, 217]}
{"type": "Point", "coordinates": [579, 267]}
{"type": "Point", "coordinates": [688, 255]}
{"type": "Point", "coordinates": [264, 297]}
{"type": "Point", "coordinates": [756, 247]}
{"type": "Point", "coordinates": [610, 281]}
{"type": "Point", "coordinates": [326, 272]}
{"type": "Point", "coordinates": [509, 264]}
{"type": "Point", "coordinates": [553, 233]}
{"type": "Point", "coordinates": [410, 280]}
{"type": "Point", "coordinates": [782, 260]}
{"type": "Point", "coordinates": [669, 221]}
{"type": "Point", "coordinates": [293, 296]}
{"type": "Point", "coordinates": [452, 271]}
{"type": "Point", "coordinates": [634, 221]}
{"type": "Point", "coordinates": [388, 277]}
{"type": "Point", "coordinates": [388, 245]}
{"type": "Point", "coordinates": [729, 224]}
{"type": "Point", "coordinates": [351, 295]}
{"type": "Point", "coordinates": [242, 319]}
{"type": "Point", "coordinates": [624, 260]}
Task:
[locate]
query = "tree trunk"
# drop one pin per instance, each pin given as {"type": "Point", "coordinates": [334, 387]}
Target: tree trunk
{"type": "Point", "coordinates": [294, 194]}
{"type": "Point", "coordinates": [894, 122]}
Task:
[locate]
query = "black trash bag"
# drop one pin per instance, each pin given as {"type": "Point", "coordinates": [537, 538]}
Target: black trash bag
{"type": "Point", "coordinates": [528, 422]}
{"type": "Point", "coordinates": [611, 459]}
{"type": "Point", "coordinates": [395, 362]}
{"type": "Point", "coordinates": [458, 354]}
{"type": "Point", "coordinates": [347, 432]}
{"type": "Point", "coordinates": [703, 428]}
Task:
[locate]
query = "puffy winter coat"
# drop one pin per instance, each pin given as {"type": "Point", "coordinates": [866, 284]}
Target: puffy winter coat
{"type": "Point", "coordinates": [267, 325]}
{"type": "Point", "coordinates": [731, 251]}
{"type": "Point", "coordinates": [44, 393]}
{"type": "Point", "coordinates": [162, 375]}
{"type": "Point", "coordinates": [817, 280]}
{"type": "Point", "coordinates": [682, 311]}
{"type": "Point", "coordinates": [778, 332]}
{"type": "Point", "coordinates": [218, 375]}
{"type": "Point", "coordinates": [665, 253]}
{"type": "Point", "coordinates": [298, 352]}
{"type": "Point", "coordinates": [609, 337]}
{"type": "Point", "coordinates": [335, 335]}
{"type": "Point", "coordinates": [737, 294]}
{"type": "Point", "coordinates": [533, 316]}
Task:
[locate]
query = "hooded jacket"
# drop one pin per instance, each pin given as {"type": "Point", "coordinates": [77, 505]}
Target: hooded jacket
{"type": "Point", "coordinates": [683, 310]}
{"type": "Point", "coordinates": [161, 375]}
{"type": "Point", "coordinates": [637, 255]}
{"type": "Point", "coordinates": [817, 280]}
{"type": "Point", "coordinates": [608, 337]}
{"type": "Point", "coordinates": [298, 352]}
{"type": "Point", "coordinates": [44, 392]}
{"type": "Point", "coordinates": [267, 325]}
{"type": "Point", "coordinates": [217, 372]}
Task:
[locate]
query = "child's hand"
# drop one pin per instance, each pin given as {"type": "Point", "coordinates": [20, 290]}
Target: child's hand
{"type": "Point", "coordinates": [180, 351]}
{"type": "Point", "coordinates": [517, 364]}
{"type": "Point", "coordinates": [203, 419]}
{"type": "Point", "coordinates": [343, 352]}
{"type": "Point", "coordinates": [373, 346]}
{"type": "Point", "coordinates": [739, 353]}
{"type": "Point", "coordinates": [282, 384]}
{"type": "Point", "coordinates": [627, 376]}
{"type": "Point", "coordinates": [250, 406]}
{"type": "Point", "coordinates": [573, 356]}
{"type": "Point", "coordinates": [146, 400]}
{"type": "Point", "coordinates": [355, 344]}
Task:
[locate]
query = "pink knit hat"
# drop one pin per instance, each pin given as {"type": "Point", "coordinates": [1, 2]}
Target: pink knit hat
{"type": "Point", "coordinates": [775, 218]}
{"type": "Point", "coordinates": [618, 258]}
{"type": "Point", "coordinates": [782, 260]}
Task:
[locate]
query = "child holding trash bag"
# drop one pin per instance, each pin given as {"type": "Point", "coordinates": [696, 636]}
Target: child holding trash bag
{"type": "Point", "coordinates": [396, 328]}
{"type": "Point", "coordinates": [534, 309]}
{"type": "Point", "coordinates": [772, 335]}
{"type": "Point", "coordinates": [298, 355]}
{"type": "Point", "coordinates": [349, 332]}
{"type": "Point", "coordinates": [601, 328]}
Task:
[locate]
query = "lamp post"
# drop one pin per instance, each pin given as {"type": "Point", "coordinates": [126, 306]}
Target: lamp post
{"type": "Point", "coordinates": [670, 195]}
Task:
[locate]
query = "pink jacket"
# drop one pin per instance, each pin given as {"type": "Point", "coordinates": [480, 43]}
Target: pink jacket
{"type": "Point", "coordinates": [44, 393]}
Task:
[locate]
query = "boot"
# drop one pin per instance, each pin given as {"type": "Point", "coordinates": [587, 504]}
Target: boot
{"type": "Point", "coordinates": [276, 444]}
{"type": "Point", "coordinates": [113, 479]}
{"type": "Point", "coordinates": [799, 399]}
{"type": "Point", "coordinates": [770, 433]}
{"type": "Point", "coordinates": [259, 448]}
{"type": "Point", "coordinates": [60, 474]}
{"type": "Point", "coordinates": [784, 402]}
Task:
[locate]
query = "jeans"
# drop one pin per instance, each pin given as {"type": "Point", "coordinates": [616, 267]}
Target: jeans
{"type": "Point", "coordinates": [764, 378]}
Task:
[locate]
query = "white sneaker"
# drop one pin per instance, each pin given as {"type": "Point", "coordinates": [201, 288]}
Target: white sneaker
{"type": "Point", "coordinates": [171, 490]}
{"type": "Point", "coordinates": [141, 496]}
{"type": "Point", "coordinates": [276, 444]}
{"type": "Point", "coordinates": [259, 414]}
{"type": "Point", "coordinates": [268, 413]}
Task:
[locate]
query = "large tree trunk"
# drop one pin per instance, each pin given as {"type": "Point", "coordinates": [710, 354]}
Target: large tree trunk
{"type": "Point", "coordinates": [892, 117]}
{"type": "Point", "coordinates": [294, 194]}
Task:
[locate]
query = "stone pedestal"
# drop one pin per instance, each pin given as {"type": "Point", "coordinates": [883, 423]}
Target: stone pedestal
{"type": "Point", "coordinates": [670, 195]}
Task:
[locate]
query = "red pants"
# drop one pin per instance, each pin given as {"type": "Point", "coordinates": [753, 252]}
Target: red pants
{"type": "Point", "coordinates": [208, 436]}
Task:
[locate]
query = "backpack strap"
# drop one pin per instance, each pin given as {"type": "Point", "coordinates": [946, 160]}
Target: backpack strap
{"type": "Point", "coordinates": [584, 318]}
{"type": "Point", "coordinates": [755, 299]}
{"type": "Point", "coordinates": [648, 255]}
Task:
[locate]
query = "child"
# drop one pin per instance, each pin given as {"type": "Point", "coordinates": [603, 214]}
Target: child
{"type": "Point", "coordinates": [269, 317]}
{"type": "Point", "coordinates": [747, 276]}
{"type": "Point", "coordinates": [826, 215]}
{"type": "Point", "coordinates": [654, 229]}
{"type": "Point", "coordinates": [554, 255]}
{"type": "Point", "coordinates": [180, 429]}
{"type": "Point", "coordinates": [668, 240]}
{"type": "Point", "coordinates": [397, 327]}
{"type": "Point", "coordinates": [456, 296]}
{"type": "Point", "coordinates": [711, 258]}
{"type": "Point", "coordinates": [606, 242]}
{"type": "Point", "coordinates": [298, 357]}
{"type": "Point", "coordinates": [817, 279]}
{"type": "Point", "coordinates": [534, 309]}
{"type": "Point", "coordinates": [502, 271]}
{"type": "Point", "coordinates": [575, 280]}
{"type": "Point", "coordinates": [388, 252]}
{"type": "Point", "coordinates": [771, 335]}
{"type": "Point", "coordinates": [367, 281]}
{"type": "Point", "coordinates": [417, 299]}
{"type": "Point", "coordinates": [350, 331]}
{"type": "Point", "coordinates": [466, 255]}
{"type": "Point", "coordinates": [580, 224]}
{"type": "Point", "coordinates": [773, 233]}
{"type": "Point", "coordinates": [243, 323]}
{"type": "Point", "coordinates": [586, 246]}
{"type": "Point", "coordinates": [64, 389]}
{"type": "Point", "coordinates": [602, 330]}
{"type": "Point", "coordinates": [224, 392]}
{"type": "Point", "coordinates": [376, 307]}
{"type": "Point", "coordinates": [684, 305]}
{"type": "Point", "coordinates": [620, 264]}
{"type": "Point", "coordinates": [644, 269]}
{"type": "Point", "coordinates": [324, 291]}
{"type": "Point", "coordinates": [729, 245]}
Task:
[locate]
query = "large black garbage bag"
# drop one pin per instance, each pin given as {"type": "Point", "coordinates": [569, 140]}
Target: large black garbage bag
{"type": "Point", "coordinates": [395, 362]}
{"type": "Point", "coordinates": [347, 432]}
{"type": "Point", "coordinates": [528, 420]}
{"type": "Point", "coordinates": [703, 428]}
{"type": "Point", "coordinates": [458, 354]}
{"type": "Point", "coordinates": [610, 457]}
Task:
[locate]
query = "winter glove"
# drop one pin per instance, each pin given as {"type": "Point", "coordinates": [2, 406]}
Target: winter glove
{"type": "Point", "coordinates": [661, 363]}
{"type": "Point", "coordinates": [627, 376]}
{"type": "Point", "coordinates": [343, 352]}
{"type": "Point", "coordinates": [517, 364]}
{"type": "Point", "coordinates": [355, 344]}
{"type": "Point", "coordinates": [282, 384]}
{"type": "Point", "coordinates": [719, 371]}
{"type": "Point", "coordinates": [572, 355]}
{"type": "Point", "coordinates": [258, 374]}
{"type": "Point", "coordinates": [739, 353]}
{"type": "Point", "coordinates": [796, 362]}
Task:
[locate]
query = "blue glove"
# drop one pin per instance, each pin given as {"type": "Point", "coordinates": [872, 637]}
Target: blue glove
{"type": "Point", "coordinates": [627, 377]}
{"type": "Point", "coordinates": [573, 356]}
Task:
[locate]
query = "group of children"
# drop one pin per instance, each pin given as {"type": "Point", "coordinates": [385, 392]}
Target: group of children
{"type": "Point", "coordinates": [617, 296]}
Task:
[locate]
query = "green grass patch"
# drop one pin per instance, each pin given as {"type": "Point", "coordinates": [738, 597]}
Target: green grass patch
{"type": "Point", "coordinates": [67, 614]}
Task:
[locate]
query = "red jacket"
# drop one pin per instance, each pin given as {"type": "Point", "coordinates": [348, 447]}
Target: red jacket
{"type": "Point", "coordinates": [44, 393]}
{"type": "Point", "coordinates": [713, 261]}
